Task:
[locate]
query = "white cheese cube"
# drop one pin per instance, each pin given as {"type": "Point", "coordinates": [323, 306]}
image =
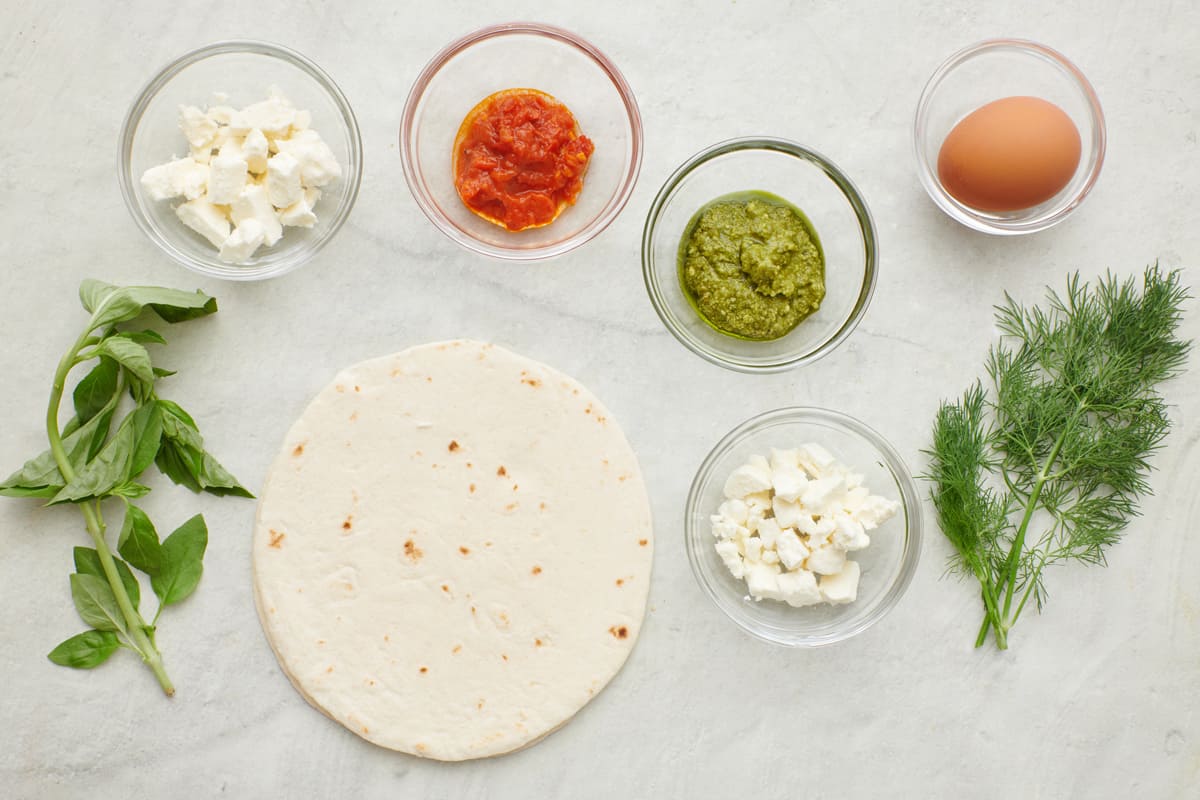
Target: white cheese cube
{"type": "Point", "coordinates": [787, 513]}
{"type": "Point", "coordinates": [768, 532]}
{"type": "Point", "coordinates": [318, 165]}
{"type": "Point", "coordinates": [875, 511]}
{"type": "Point", "coordinates": [808, 526]}
{"type": "Point", "coordinates": [762, 581]}
{"type": "Point", "coordinates": [758, 504]}
{"type": "Point", "coordinates": [734, 510]}
{"type": "Point", "coordinates": [854, 498]}
{"type": "Point", "coordinates": [788, 481]}
{"type": "Point", "coordinates": [723, 527]}
{"type": "Point", "coordinates": [182, 177]}
{"type": "Point", "coordinates": [311, 195]}
{"type": "Point", "coordinates": [201, 155]}
{"type": "Point", "coordinates": [746, 480]}
{"type": "Point", "coordinates": [302, 121]}
{"type": "Point", "coordinates": [298, 215]}
{"type": "Point", "coordinates": [826, 560]}
{"type": "Point", "coordinates": [819, 493]}
{"type": "Point", "coordinates": [848, 533]}
{"type": "Point", "coordinates": [283, 180]}
{"type": "Point", "coordinates": [231, 147]}
{"type": "Point", "coordinates": [783, 459]}
{"type": "Point", "coordinates": [814, 458]}
{"type": "Point", "coordinates": [842, 587]}
{"type": "Point", "coordinates": [752, 549]}
{"type": "Point", "coordinates": [728, 552]}
{"type": "Point", "coordinates": [253, 203]}
{"type": "Point", "coordinates": [799, 589]}
{"type": "Point", "coordinates": [196, 126]}
{"type": "Point", "coordinates": [205, 219]}
{"type": "Point", "coordinates": [770, 556]}
{"type": "Point", "coordinates": [272, 117]}
{"type": "Point", "coordinates": [226, 179]}
{"type": "Point", "coordinates": [255, 149]}
{"type": "Point", "coordinates": [792, 551]}
{"type": "Point", "coordinates": [242, 243]}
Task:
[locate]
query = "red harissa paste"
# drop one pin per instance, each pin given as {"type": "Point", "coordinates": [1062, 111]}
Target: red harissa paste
{"type": "Point", "coordinates": [519, 159]}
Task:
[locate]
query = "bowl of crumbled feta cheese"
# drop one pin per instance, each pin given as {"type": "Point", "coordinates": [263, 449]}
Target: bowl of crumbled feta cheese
{"type": "Point", "coordinates": [803, 525]}
{"type": "Point", "coordinates": [240, 160]}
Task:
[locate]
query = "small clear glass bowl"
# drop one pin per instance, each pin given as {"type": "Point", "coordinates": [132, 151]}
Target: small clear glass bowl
{"type": "Point", "coordinates": [887, 564]}
{"type": "Point", "coordinates": [804, 178]}
{"type": "Point", "coordinates": [991, 70]}
{"type": "Point", "coordinates": [531, 56]}
{"type": "Point", "coordinates": [245, 71]}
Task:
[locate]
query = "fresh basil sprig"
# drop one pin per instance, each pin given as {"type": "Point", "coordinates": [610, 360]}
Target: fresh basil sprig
{"type": "Point", "coordinates": [100, 455]}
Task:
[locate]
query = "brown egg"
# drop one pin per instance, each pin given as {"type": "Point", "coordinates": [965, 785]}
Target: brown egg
{"type": "Point", "coordinates": [1010, 154]}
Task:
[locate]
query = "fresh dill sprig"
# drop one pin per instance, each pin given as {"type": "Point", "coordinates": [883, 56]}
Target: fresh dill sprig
{"type": "Point", "coordinates": [1048, 462]}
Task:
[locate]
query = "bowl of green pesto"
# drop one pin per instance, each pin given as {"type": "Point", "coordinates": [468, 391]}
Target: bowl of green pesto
{"type": "Point", "coordinates": [759, 254]}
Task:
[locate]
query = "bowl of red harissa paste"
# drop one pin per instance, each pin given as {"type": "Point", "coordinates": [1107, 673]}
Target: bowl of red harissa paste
{"type": "Point", "coordinates": [521, 141]}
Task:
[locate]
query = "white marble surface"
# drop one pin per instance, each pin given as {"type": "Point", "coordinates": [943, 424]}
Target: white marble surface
{"type": "Point", "coordinates": [1097, 698]}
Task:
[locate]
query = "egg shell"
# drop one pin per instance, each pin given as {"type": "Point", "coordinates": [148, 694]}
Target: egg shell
{"type": "Point", "coordinates": [1010, 154]}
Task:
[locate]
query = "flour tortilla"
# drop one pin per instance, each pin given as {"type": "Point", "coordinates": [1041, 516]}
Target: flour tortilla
{"type": "Point", "coordinates": [453, 550]}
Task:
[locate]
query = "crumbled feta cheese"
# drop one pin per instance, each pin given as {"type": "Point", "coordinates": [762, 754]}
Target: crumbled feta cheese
{"type": "Point", "coordinates": [205, 219]}
{"type": "Point", "coordinates": [768, 532]}
{"type": "Point", "coordinates": [789, 482]}
{"type": "Point", "coordinates": [762, 581]}
{"type": "Point", "coordinates": [798, 589]}
{"type": "Point", "coordinates": [255, 150]}
{"type": "Point", "coordinates": [787, 513]}
{"type": "Point", "coordinates": [758, 504]}
{"type": "Point", "coordinates": [849, 533]}
{"type": "Point", "coordinates": [818, 494]}
{"type": "Point", "coordinates": [814, 459]}
{"type": "Point", "coordinates": [253, 203]}
{"type": "Point", "coordinates": [318, 165]}
{"type": "Point", "coordinates": [746, 480]}
{"type": "Point", "coordinates": [783, 459]}
{"type": "Point", "coordinates": [877, 510]}
{"type": "Point", "coordinates": [273, 117]}
{"type": "Point", "coordinates": [197, 128]}
{"type": "Point", "coordinates": [244, 240]}
{"type": "Point", "coordinates": [302, 121]}
{"type": "Point", "coordinates": [843, 586]}
{"type": "Point", "coordinates": [182, 177]}
{"type": "Point", "coordinates": [734, 510]}
{"type": "Point", "coordinates": [731, 557]}
{"type": "Point", "coordinates": [826, 560]}
{"type": "Point", "coordinates": [283, 180]}
{"type": "Point", "coordinates": [724, 528]}
{"type": "Point", "coordinates": [226, 179]}
{"type": "Point", "coordinates": [792, 551]}
{"type": "Point", "coordinates": [753, 549]}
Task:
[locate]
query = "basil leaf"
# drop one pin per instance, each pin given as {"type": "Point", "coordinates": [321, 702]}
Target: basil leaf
{"type": "Point", "coordinates": [87, 562]}
{"type": "Point", "coordinates": [143, 337]}
{"type": "Point", "coordinates": [138, 542]}
{"type": "Point", "coordinates": [85, 650]}
{"type": "Point", "coordinates": [112, 304]}
{"type": "Point", "coordinates": [125, 457]}
{"type": "Point", "coordinates": [174, 461]}
{"type": "Point", "coordinates": [130, 355]}
{"type": "Point", "coordinates": [182, 562]}
{"type": "Point", "coordinates": [183, 459]}
{"type": "Point", "coordinates": [95, 603]}
{"type": "Point", "coordinates": [96, 389]}
{"type": "Point", "coordinates": [217, 480]}
{"type": "Point", "coordinates": [40, 476]}
{"type": "Point", "coordinates": [159, 372]}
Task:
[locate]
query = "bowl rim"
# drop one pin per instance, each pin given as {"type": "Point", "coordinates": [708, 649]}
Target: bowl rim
{"type": "Point", "coordinates": [417, 185]}
{"type": "Point", "coordinates": [910, 504]}
{"type": "Point", "coordinates": [849, 190]}
{"type": "Point", "coordinates": [928, 173]}
{"type": "Point", "coordinates": [352, 175]}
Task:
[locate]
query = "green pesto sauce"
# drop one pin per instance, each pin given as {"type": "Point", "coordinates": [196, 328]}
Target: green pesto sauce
{"type": "Point", "coordinates": [751, 265]}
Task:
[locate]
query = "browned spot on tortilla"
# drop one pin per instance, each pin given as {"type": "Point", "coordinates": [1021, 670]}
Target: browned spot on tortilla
{"type": "Point", "coordinates": [472, 609]}
{"type": "Point", "coordinates": [277, 539]}
{"type": "Point", "coordinates": [504, 656]}
{"type": "Point", "coordinates": [623, 477]}
{"type": "Point", "coordinates": [349, 522]}
{"type": "Point", "coordinates": [587, 410]}
{"type": "Point", "coordinates": [413, 552]}
{"type": "Point", "coordinates": [322, 641]}
{"type": "Point", "coordinates": [299, 450]}
{"type": "Point", "coordinates": [453, 446]}
{"type": "Point", "coordinates": [643, 542]}
{"type": "Point", "coordinates": [354, 416]}
{"type": "Point", "coordinates": [445, 588]}
{"type": "Point", "coordinates": [534, 382]}
{"type": "Point", "coordinates": [470, 465]}
{"type": "Point", "coordinates": [397, 372]}
{"type": "Point", "coordinates": [420, 747]}
{"type": "Point", "coordinates": [514, 487]}
{"type": "Point", "coordinates": [329, 668]}
{"type": "Point", "coordinates": [604, 461]}
{"type": "Point", "coordinates": [538, 642]}
{"type": "Point", "coordinates": [457, 649]}
{"type": "Point", "coordinates": [479, 705]}
{"type": "Point", "coordinates": [466, 551]}
{"type": "Point", "coordinates": [502, 472]}
{"type": "Point", "coordinates": [370, 681]}
{"type": "Point", "coordinates": [424, 670]}
{"type": "Point", "coordinates": [429, 379]}
{"type": "Point", "coordinates": [471, 488]}
{"type": "Point", "coordinates": [511, 506]}
{"type": "Point", "coordinates": [386, 638]}
{"type": "Point", "coordinates": [357, 388]}
{"type": "Point", "coordinates": [536, 570]}
{"type": "Point", "coordinates": [620, 581]}
{"type": "Point", "coordinates": [339, 388]}
{"type": "Point", "coordinates": [620, 633]}
{"type": "Point", "coordinates": [272, 609]}
{"type": "Point", "coordinates": [603, 420]}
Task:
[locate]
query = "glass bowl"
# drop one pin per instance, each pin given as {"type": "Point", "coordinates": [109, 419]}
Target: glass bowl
{"type": "Point", "coordinates": [245, 71]}
{"type": "Point", "coordinates": [887, 564]}
{"type": "Point", "coordinates": [804, 178]}
{"type": "Point", "coordinates": [991, 70]}
{"type": "Point", "coordinates": [521, 55]}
